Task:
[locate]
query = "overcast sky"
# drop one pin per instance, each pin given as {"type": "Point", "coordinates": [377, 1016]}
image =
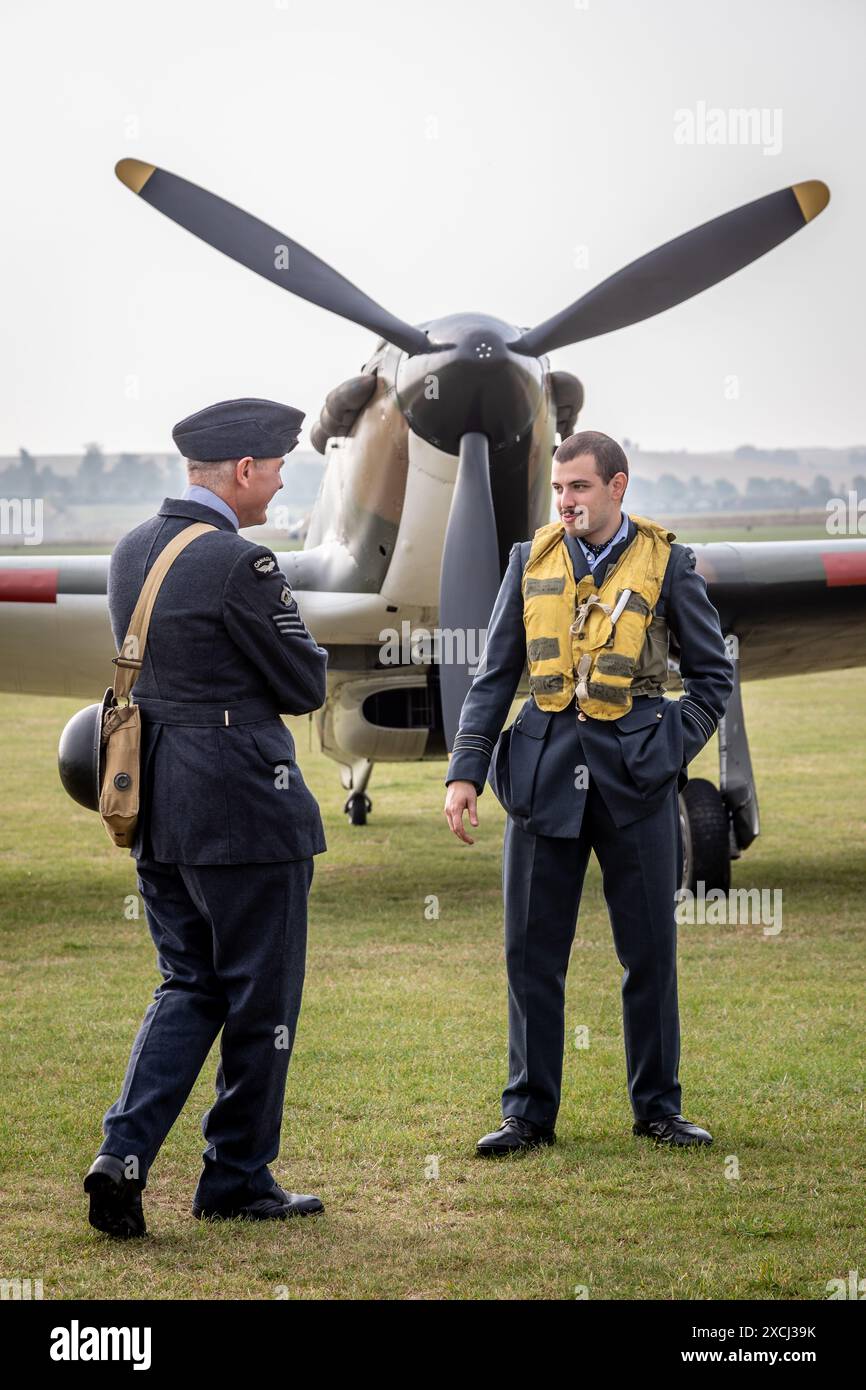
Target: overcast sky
{"type": "Point", "coordinates": [446, 156]}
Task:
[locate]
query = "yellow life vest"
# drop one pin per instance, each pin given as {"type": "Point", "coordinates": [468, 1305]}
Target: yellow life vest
{"type": "Point", "coordinates": [586, 641]}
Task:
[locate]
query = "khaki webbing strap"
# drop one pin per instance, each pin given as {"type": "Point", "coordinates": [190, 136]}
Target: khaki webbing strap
{"type": "Point", "coordinates": [131, 658]}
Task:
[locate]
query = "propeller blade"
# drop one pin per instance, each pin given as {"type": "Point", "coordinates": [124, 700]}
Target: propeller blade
{"type": "Point", "coordinates": [470, 572]}
{"type": "Point", "coordinates": [681, 268]}
{"type": "Point", "coordinates": [265, 250]}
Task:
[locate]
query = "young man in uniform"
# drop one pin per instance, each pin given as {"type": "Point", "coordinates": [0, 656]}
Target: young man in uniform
{"type": "Point", "coordinates": [593, 761]}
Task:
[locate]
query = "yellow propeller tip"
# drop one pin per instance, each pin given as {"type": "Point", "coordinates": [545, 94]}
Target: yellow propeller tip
{"type": "Point", "coordinates": [813, 196]}
{"type": "Point", "coordinates": [134, 173]}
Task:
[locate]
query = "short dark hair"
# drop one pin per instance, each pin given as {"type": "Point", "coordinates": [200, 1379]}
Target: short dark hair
{"type": "Point", "coordinates": [609, 457]}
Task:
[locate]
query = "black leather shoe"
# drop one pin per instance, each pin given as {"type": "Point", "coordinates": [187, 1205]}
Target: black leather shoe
{"type": "Point", "coordinates": [115, 1199]}
{"type": "Point", "coordinates": [672, 1129]}
{"type": "Point", "coordinates": [513, 1136]}
{"type": "Point", "coordinates": [277, 1205]}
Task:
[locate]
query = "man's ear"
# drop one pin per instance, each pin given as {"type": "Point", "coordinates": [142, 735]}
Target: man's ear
{"type": "Point", "coordinates": [243, 468]}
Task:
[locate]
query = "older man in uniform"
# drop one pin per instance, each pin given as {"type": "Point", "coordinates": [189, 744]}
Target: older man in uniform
{"type": "Point", "coordinates": [227, 830]}
{"type": "Point", "coordinates": [606, 780]}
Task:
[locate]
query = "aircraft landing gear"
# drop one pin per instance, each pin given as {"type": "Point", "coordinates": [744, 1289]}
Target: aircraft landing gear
{"type": "Point", "coordinates": [718, 824]}
{"type": "Point", "coordinates": [706, 837]}
{"type": "Point", "coordinates": [356, 808]}
{"type": "Point", "coordinates": [355, 777]}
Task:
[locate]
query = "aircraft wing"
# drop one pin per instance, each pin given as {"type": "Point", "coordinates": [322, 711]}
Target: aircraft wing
{"type": "Point", "coordinates": [794, 606]}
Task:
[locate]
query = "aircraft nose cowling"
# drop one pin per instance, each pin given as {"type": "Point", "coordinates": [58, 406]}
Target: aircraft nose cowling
{"type": "Point", "coordinates": [473, 383]}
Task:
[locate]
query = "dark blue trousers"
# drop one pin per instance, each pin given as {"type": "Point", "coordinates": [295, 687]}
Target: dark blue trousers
{"type": "Point", "coordinates": [231, 947]}
{"type": "Point", "coordinates": [542, 884]}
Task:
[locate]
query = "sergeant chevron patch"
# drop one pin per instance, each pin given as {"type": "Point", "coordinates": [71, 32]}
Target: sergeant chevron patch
{"type": "Point", "coordinates": [288, 623]}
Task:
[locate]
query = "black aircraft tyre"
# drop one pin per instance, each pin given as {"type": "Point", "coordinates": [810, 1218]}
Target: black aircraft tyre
{"type": "Point", "coordinates": [357, 807]}
{"type": "Point", "coordinates": [706, 853]}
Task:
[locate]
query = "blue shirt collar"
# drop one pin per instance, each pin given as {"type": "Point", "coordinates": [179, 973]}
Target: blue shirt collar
{"type": "Point", "coordinates": [195, 493]}
{"type": "Point", "coordinates": [618, 535]}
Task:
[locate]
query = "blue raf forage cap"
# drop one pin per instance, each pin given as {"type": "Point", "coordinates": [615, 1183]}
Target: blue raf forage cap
{"type": "Point", "coordinates": [238, 429]}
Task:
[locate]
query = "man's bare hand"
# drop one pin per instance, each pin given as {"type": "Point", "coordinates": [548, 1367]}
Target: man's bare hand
{"type": "Point", "coordinates": [461, 797]}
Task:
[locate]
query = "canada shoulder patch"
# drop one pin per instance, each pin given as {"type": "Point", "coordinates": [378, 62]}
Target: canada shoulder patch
{"type": "Point", "coordinates": [263, 565]}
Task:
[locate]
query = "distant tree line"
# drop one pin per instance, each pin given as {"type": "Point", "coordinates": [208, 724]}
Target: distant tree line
{"type": "Point", "coordinates": [675, 495]}
{"type": "Point", "coordinates": [136, 478]}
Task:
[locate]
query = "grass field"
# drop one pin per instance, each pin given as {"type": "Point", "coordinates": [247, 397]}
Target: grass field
{"type": "Point", "coordinates": [400, 1056]}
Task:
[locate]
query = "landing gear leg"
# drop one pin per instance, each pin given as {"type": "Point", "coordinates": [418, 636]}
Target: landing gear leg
{"type": "Point", "coordinates": [355, 779]}
{"type": "Point", "coordinates": [736, 778]}
{"type": "Point", "coordinates": [717, 824]}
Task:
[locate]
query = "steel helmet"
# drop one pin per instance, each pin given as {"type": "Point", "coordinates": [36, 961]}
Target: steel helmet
{"type": "Point", "coordinates": [80, 753]}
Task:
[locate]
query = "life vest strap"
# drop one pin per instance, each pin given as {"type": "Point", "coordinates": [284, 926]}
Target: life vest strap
{"type": "Point", "coordinates": [592, 600]}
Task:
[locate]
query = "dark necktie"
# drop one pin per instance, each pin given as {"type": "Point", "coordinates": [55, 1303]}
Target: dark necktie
{"type": "Point", "coordinates": [595, 550]}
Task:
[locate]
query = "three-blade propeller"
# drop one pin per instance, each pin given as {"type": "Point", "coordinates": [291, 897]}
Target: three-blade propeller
{"type": "Point", "coordinates": [681, 268]}
{"type": "Point", "coordinates": [265, 250]}
{"type": "Point", "coordinates": [667, 276]}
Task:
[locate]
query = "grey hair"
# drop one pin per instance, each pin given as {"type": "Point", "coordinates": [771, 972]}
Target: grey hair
{"type": "Point", "coordinates": [218, 471]}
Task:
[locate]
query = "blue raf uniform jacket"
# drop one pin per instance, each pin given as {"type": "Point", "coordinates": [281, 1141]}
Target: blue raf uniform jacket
{"type": "Point", "coordinates": [227, 652]}
{"type": "Point", "coordinates": [634, 761]}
